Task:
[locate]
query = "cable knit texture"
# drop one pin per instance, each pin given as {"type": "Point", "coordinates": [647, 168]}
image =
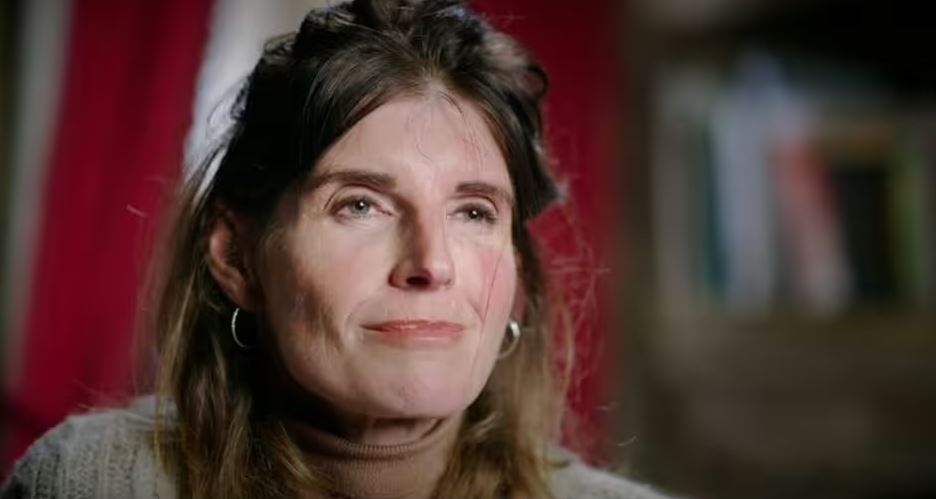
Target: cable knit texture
{"type": "Point", "coordinates": [109, 454]}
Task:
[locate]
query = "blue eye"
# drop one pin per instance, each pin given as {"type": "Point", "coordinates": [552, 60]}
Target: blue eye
{"type": "Point", "coordinates": [356, 207]}
{"type": "Point", "coordinates": [359, 206]}
{"type": "Point", "coordinates": [478, 214]}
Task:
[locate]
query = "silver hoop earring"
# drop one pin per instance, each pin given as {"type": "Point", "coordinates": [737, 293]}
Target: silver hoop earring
{"type": "Point", "coordinates": [513, 331]}
{"type": "Point", "coordinates": [234, 329]}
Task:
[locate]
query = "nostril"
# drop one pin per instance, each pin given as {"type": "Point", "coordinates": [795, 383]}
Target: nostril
{"type": "Point", "coordinates": [417, 281]}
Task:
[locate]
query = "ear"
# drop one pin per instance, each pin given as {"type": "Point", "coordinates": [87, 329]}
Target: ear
{"type": "Point", "coordinates": [228, 261]}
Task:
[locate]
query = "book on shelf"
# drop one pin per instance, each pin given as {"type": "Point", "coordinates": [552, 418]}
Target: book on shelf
{"type": "Point", "coordinates": [775, 189]}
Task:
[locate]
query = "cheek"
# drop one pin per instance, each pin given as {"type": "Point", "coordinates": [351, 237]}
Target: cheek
{"type": "Point", "coordinates": [313, 286]}
{"type": "Point", "coordinates": [491, 280]}
{"type": "Point", "coordinates": [342, 273]}
{"type": "Point", "coordinates": [497, 281]}
{"type": "Point", "coordinates": [490, 286]}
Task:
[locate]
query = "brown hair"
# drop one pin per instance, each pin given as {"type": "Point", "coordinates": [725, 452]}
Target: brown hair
{"type": "Point", "coordinates": [307, 90]}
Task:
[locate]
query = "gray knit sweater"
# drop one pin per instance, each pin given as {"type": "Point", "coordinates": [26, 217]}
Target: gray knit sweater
{"type": "Point", "coordinates": [106, 454]}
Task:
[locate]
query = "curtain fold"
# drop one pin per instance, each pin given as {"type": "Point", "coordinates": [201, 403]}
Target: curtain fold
{"type": "Point", "coordinates": [129, 78]}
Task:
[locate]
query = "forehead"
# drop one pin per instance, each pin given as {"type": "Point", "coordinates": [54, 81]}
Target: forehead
{"type": "Point", "coordinates": [434, 137]}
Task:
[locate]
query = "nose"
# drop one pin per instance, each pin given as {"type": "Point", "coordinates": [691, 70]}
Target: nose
{"type": "Point", "coordinates": [425, 262]}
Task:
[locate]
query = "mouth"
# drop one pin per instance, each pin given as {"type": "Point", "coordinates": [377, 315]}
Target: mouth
{"type": "Point", "coordinates": [416, 332]}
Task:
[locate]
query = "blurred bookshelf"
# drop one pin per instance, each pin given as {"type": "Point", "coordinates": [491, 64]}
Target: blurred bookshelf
{"type": "Point", "coordinates": [781, 285]}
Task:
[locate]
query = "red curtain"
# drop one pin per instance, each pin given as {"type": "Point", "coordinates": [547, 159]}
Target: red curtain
{"type": "Point", "coordinates": [576, 43]}
{"type": "Point", "coordinates": [117, 148]}
{"type": "Point", "coordinates": [130, 75]}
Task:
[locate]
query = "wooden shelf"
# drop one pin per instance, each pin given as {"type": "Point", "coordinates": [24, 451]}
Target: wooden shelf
{"type": "Point", "coordinates": [798, 354]}
{"type": "Point", "coordinates": [782, 404]}
{"type": "Point", "coordinates": [751, 401]}
{"type": "Point", "coordinates": [892, 39]}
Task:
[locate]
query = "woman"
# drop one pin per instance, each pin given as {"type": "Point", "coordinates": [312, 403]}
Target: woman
{"type": "Point", "coordinates": [352, 305]}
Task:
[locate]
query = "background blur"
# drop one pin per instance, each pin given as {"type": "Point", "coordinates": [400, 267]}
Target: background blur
{"type": "Point", "coordinates": [750, 244]}
{"type": "Point", "coordinates": [781, 317]}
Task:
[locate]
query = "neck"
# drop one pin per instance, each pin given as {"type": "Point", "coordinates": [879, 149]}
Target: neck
{"type": "Point", "coordinates": [381, 431]}
{"type": "Point", "coordinates": [378, 458]}
{"type": "Point", "coordinates": [304, 408]}
{"type": "Point", "coordinates": [361, 456]}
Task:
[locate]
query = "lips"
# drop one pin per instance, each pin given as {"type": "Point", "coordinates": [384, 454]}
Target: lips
{"type": "Point", "coordinates": [416, 331]}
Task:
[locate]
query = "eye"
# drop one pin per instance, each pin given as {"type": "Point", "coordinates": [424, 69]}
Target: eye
{"type": "Point", "coordinates": [477, 214]}
{"type": "Point", "coordinates": [356, 207]}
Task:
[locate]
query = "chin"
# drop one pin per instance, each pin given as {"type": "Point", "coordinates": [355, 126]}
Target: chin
{"type": "Point", "coordinates": [427, 398]}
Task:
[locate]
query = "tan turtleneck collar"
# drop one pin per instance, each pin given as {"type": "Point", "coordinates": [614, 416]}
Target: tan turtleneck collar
{"type": "Point", "coordinates": [362, 471]}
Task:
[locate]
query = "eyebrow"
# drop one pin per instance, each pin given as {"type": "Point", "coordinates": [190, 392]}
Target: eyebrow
{"type": "Point", "coordinates": [379, 181]}
{"type": "Point", "coordinates": [485, 189]}
{"type": "Point", "coordinates": [386, 182]}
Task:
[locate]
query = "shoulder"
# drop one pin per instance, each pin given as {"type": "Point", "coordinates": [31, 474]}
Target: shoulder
{"type": "Point", "coordinates": [104, 453]}
{"type": "Point", "coordinates": [572, 478]}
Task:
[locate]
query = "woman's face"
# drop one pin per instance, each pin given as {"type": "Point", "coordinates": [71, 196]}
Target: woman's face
{"type": "Point", "coordinates": [389, 286]}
